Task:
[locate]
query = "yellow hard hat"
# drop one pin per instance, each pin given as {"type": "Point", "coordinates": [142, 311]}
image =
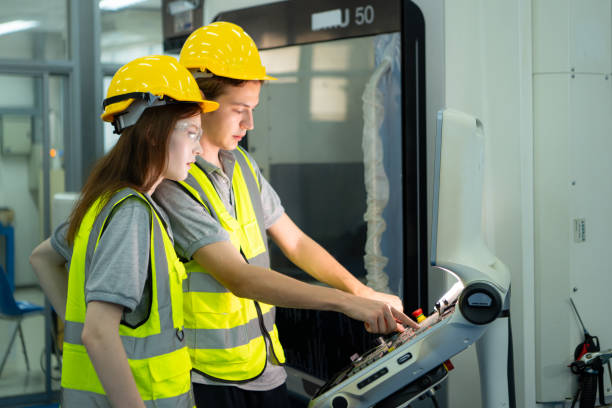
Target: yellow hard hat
{"type": "Point", "coordinates": [224, 49]}
{"type": "Point", "coordinates": [155, 80]}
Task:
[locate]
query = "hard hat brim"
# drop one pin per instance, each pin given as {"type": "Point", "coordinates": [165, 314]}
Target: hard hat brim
{"type": "Point", "coordinates": [208, 106]}
{"type": "Point", "coordinates": [207, 72]}
{"type": "Point", "coordinates": [269, 78]}
{"type": "Point", "coordinates": [205, 105]}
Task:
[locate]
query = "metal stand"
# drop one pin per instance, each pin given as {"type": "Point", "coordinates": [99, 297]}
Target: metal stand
{"type": "Point", "coordinates": [8, 233]}
{"type": "Point", "coordinates": [493, 363]}
{"type": "Point", "coordinates": [590, 368]}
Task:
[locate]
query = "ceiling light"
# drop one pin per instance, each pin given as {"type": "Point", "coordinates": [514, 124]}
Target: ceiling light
{"type": "Point", "coordinates": [181, 6]}
{"type": "Point", "coordinates": [17, 25]}
{"type": "Point", "coordinates": [113, 5]}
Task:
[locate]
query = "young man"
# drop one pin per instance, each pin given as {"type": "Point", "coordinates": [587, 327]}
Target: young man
{"type": "Point", "coordinates": [221, 217]}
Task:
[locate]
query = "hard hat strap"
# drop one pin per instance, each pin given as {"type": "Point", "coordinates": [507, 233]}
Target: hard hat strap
{"type": "Point", "coordinates": [199, 74]}
{"type": "Point", "coordinates": [130, 117]}
{"type": "Point", "coordinates": [145, 96]}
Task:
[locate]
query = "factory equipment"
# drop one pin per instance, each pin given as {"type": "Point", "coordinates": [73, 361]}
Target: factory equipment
{"type": "Point", "coordinates": [406, 365]}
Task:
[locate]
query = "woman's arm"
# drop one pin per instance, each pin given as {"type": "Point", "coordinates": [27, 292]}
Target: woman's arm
{"type": "Point", "coordinates": [50, 268]}
{"type": "Point", "coordinates": [101, 339]}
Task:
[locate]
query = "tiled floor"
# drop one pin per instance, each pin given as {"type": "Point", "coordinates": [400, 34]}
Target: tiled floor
{"type": "Point", "coordinates": [15, 379]}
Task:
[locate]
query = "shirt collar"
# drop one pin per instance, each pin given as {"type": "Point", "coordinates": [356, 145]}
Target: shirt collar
{"type": "Point", "coordinates": [227, 159]}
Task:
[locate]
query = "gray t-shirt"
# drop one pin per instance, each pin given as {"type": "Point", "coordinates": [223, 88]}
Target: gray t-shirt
{"type": "Point", "coordinates": [195, 228]}
{"type": "Point", "coordinates": [119, 267]}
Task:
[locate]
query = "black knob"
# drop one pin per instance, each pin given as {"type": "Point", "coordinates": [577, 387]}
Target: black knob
{"type": "Point", "coordinates": [339, 402]}
{"type": "Point", "coordinates": [480, 303]}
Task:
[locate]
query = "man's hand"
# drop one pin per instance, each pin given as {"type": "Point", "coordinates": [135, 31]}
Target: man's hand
{"type": "Point", "coordinates": [394, 302]}
{"type": "Point", "coordinates": [377, 316]}
{"type": "Point", "coordinates": [387, 298]}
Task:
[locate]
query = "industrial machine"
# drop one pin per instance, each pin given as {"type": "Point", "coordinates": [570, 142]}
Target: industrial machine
{"type": "Point", "coordinates": [405, 365]}
{"type": "Point", "coordinates": [338, 63]}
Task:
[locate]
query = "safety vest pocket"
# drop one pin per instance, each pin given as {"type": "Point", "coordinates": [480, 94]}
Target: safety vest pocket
{"type": "Point", "coordinates": [78, 372]}
{"type": "Point", "coordinates": [252, 237]}
{"type": "Point", "coordinates": [170, 374]}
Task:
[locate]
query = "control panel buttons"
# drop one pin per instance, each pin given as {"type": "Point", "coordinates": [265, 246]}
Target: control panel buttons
{"type": "Point", "coordinates": [404, 358]}
{"type": "Point", "coordinates": [373, 377]}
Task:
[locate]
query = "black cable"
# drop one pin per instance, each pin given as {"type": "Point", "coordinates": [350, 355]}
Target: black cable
{"type": "Point", "coordinates": [435, 401]}
{"type": "Point", "coordinates": [588, 388]}
{"type": "Point", "coordinates": [510, 368]}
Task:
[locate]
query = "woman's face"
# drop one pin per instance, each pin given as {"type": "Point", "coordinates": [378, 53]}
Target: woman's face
{"type": "Point", "coordinates": [184, 147]}
{"type": "Point", "coordinates": [226, 126]}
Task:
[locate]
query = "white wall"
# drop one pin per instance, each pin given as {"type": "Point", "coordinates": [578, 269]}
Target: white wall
{"type": "Point", "coordinates": [538, 74]}
{"type": "Point", "coordinates": [488, 75]}
{"type": "Point", "coordinates": [572, 147]}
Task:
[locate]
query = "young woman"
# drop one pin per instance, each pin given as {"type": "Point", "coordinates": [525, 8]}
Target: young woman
{"type": "Point", "coordinates": [122, 298]}
{"type": "Point", "coordinates": [221, 216]}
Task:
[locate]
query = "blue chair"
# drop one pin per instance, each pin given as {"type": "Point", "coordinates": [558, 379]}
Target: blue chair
{"type": "Point", "coordinates": [11, 309]}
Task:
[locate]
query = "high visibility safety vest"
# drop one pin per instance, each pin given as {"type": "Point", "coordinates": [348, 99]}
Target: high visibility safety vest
{"type": "Point", "coordinates": [225, 333]}
{"type": "Point", "coordinates": [156, 350]}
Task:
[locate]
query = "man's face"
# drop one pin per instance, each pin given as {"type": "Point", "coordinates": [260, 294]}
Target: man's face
{"type": "Point", "coordinates": [226, 126]}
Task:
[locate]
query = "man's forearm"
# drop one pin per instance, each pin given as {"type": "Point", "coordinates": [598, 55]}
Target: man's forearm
{"type": "Point", "coordinates": [313, 259]}
{"type": "Point", "coordinates": [226, 265]}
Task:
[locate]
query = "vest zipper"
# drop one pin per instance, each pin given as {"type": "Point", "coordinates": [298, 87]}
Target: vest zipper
{"type": "Point", "coordinates": [265, 332]}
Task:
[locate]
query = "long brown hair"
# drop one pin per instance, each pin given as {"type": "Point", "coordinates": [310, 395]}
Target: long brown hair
{"type": "Point", "coordinates": [136, 161]}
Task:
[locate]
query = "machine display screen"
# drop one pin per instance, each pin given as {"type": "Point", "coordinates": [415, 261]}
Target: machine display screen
{"type": "Point", "coordinates": [308, 142]}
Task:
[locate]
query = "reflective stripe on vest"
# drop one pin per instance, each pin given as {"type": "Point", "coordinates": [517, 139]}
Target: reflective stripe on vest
{"type": "Point", "coordinates": [73, 398]}
{"type": "Point", "coordinates": [157, 356]}
{"type": "Point", "coordinates": [224, 332]}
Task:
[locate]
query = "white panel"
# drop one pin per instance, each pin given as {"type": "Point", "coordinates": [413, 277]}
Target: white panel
{"type": "Point", "coordinates": [464, 70]}
{"type": "Point", "coordinates": [551, 195]}
{"type": "Point", "coordinates": [482, 78]}
{"type": "Point", "coordinates": [20, 88]}
{"type": "Point", "coordinates": [16, 132]}
{"type": "Point", "coordinates": [551, 35]}
{"type": "Point", "coordinates": [572, 34]}
{"type": "Point", "coordinates": [591, 35]}
{"type": "Point", "coordinates": [590, 168]}
{"type": "Point", "coordinates": [464, 381]}
{"type": "Point", "coordinates": [572, 149]}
